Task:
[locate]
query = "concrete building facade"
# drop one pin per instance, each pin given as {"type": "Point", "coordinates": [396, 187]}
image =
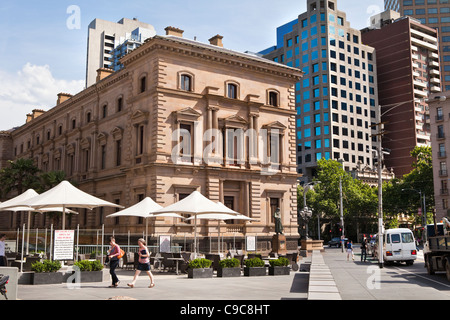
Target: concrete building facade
{"type": "Point", "coordinates": [408, 72]}
{"type": "Point", "coordinates": [440, 144]}
{"type": "Point", "coordinates": [103, 37]}
{"type": "Point", "coordinates": [146, 130]}
{"type": "Point", "coordinates": [436, 15]}
{"type": "Point", "coordinates": [337, 100]}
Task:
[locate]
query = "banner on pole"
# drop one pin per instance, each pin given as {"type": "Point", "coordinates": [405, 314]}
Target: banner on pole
{"type": "Point", "coordinates": [63, 247]}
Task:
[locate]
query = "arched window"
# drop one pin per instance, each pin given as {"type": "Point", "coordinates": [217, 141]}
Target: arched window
{"type": "Point", "coordinates": [186, 82]}
{"type": "Point", "coordinates": [273, 99]}
{"type": "Point", "coordinates": [232, 90]}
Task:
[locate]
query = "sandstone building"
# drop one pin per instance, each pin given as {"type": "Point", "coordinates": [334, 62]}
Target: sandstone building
{"type": "Point", "coordinates": [144, 131]}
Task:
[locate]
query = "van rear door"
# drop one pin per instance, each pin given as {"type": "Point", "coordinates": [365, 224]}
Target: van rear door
{"type": "Point", "coordinates": [396, 245]}
{"type": "Point", "coordinates": [409, 245]}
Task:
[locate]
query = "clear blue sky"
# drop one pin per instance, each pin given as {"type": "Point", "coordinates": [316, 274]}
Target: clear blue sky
{"type": "Point", "coordinates": [36, 40]}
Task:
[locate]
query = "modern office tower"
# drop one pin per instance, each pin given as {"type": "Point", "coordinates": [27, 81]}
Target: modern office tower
{"type": "Point", "coordinates": [337, 100]}
{"type": "Point", "coordinates": [127, 44]}
{"type": "Point", "coordinates": [440, 144]}
{"type": "Point", "coordinates": [104, 37]}
{"type": "Point", "coordinates": [408, 71]}
{"type": "Point", "coordinates": [435, 14]}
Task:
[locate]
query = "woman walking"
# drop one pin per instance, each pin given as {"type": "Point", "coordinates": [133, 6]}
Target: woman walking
{"type": "Point", "coordinates": [143, 265]}
{"type": "Point", "coordinates": [113, 255]}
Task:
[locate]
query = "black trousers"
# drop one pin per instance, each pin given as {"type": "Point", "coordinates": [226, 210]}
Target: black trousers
{"type": "Point", "coordinates": [113, 264]}
{"type": "Point", "coordinates": [3, 261]}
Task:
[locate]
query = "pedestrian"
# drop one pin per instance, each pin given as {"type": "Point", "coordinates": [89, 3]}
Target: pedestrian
{"type": "Point", "coordinates": [113, 255]}
{"type": "Point", "coordinates": [143, 264]}
{"type": "Point", "coordinates": [350, 250]}
{"type": "Point", "coordinates": [364, 250]}
{"type": "Point", "coordinates": [2, 250]}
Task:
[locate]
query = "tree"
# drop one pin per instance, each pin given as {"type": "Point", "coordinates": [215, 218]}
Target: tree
{"type": "Point", "coordinates": [359, 200]}
{"type": "Point", "coordinates": [403, 195]}
{"type": "Point", "coordinates": [20, 175]}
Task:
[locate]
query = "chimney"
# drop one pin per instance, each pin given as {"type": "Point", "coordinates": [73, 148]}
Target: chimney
{"type": "Point", "coordinates": [172, 31]}
{"type": "Point", "coordinates": [29, 117]}
{"type": "Point", "coordinates": [37, 112]}
{"type": "Point", "coordinates": [102, 73]}
{"type": "Point", "coordinates": [63, 97]}
{"type": "Point", "coordinates": [216, 41]}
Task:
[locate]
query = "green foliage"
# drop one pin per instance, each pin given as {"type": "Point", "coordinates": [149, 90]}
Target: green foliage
{"type": "Point", "coordinates": [200, 263]}
{"type": "Point", "coordinates": [46, 266]}
{"type": "Point", "coordinates": [280, 262]}
{"type": "Point", "coordinates": [254, 262]}
{"type": "Point", "coordinates": [402, 195]}
{"type": "Point", "coordinates": [86, 265]}
{"type": "Point", "coordinates": [229, 263]}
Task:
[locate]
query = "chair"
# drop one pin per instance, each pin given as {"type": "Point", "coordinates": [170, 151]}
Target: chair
{"type": "Point", "coordinates": [169, 264]}
{"type": "Point", "coordinates": [128, 260]}
{"type": "Point", "coordinates": [240, 257]}
{"type": "Point", "coordinates": [29, 261]}
{"type": "Point", "coordinates": [184, 265]}
{"type": "Point", "coordinates": [156, 261]}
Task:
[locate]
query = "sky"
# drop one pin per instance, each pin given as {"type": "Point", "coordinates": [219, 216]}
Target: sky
{"type": "Point", "coordinates": [44, 43]}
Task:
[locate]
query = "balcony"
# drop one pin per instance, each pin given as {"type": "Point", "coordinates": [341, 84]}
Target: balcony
{"type": "Point", "coordinates": [435, 89]}
{"type": "Point", "coordinates": [444, 192]}
{"type": "Point", "coordinates": [443, 173]}
{"type": "Point", "coordinates": [442, 154]}
{"type": "Point", "coordinates": [440, 136]}
{"type": "Point", "coordinates": [434, 72]}
{"type": "Point", "coordinates": [435, 80]}
{"type": "Point", "coordinates": [439, 117]}
{"type": "Point", "coordinates": [420, 93]}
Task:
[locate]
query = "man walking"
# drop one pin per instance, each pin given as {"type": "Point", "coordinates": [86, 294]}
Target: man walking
{"type": "Point", "coordinates": [2, 250]}
{"type": "Point", "coordinates": [364, 250]}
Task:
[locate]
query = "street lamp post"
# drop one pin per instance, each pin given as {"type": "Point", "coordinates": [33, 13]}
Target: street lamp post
{"type": "Point", "coordinates": [306, 213]}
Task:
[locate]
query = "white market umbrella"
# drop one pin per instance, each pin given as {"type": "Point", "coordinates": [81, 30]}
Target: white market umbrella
{"type": "Point", "coordinates": [196, 204]}
{"type": "Point", "coordinates": [144, 209]}
{"type": "Point", "coordinates": [14, 204]}
{"type": "Point", "coordinates": [65, 195]}
{"type": "Point", "coordinates": [222, 217]}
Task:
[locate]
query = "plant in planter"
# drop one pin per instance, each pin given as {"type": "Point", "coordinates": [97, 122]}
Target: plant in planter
{"type": "Point", "coordinates": [90, 271]}
{"type": "Point", "coordinates": [279, 267]}
{"type": "Point", "coordinates": [46, 272]}
{"type": "Point", "coordinates": [254, 267]}
{"type": "Point", "coordinates": [200, 268]}
{"type": "Point", "coordinates": [229, 268]}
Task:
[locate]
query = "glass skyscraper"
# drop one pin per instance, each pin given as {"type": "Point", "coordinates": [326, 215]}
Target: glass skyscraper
{"type": "Point", "coordinates": [337, 100]}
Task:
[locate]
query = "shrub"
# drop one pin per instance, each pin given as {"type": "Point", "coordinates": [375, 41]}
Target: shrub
{"type": "Point", "coordinates": [229, 263]}
{"type": "Point", "coordinates": [86, 265]}
{"type": "Point", "coordinates": [200, 263]}
{"type": "Point", "coordinates": [254, 262]}
{"type": "Point", "coordinates": [280, 262]}
{"type": "Point", "coordinates": [46, 266]}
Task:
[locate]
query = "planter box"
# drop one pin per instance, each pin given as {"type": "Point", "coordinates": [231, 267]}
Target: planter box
{"type": "Point", "coordinates": [279, 271]}
{"type": "Point", "coordinates": [255, 271]}
{"type": "Point", "coordinates": [46, 278]}
{"type": "Point", "coordinates": [200, 273]}
{"type": "Point", "coordinates": [229, 272]}
{"type": "Point", "coordinates": [87, 276]}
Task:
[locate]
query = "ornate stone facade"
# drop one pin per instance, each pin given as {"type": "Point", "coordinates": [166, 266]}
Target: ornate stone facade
{"type": "Point", "coordinates": [124, 137]}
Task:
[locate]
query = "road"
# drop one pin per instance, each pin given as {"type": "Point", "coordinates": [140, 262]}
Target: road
{"type": "Point", "coordinates": [358, 280]}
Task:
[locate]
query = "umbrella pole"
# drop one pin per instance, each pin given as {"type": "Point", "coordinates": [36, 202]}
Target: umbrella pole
{"type": "Point", "coordinates": [195, 237]}
{"type": "Point", "coordinates": [28, 232]}
{"type": "Point", "coordinates": [219, 249]}
{"type": "Point", "coordinates": [23, 240]}
{"type": "Point", "coordinates": [146, 231]}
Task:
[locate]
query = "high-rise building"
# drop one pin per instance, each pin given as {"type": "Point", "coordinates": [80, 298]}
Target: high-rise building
{"type": "Point", "coordinates": [337, 100]}
{"type": "Point", "coordinates": [435, 14]}
{"type": "Point", "coordinates": [104, 37]}
{"type": "Point", "coordinates": [440, 144]}
{"type": "Point", "coordinates": [408, 72]}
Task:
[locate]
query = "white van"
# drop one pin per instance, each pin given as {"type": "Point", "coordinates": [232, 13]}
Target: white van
{"type": "Point", "coordinates": [399, 246]}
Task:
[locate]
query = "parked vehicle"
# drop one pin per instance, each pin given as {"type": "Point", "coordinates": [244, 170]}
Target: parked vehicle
{"type": "Point", "coordinates": [399, 245]}
{"type": "Point", "coordinates": [437, 248]}
{"type": "Point", "coordinates": [3, 282]}
{"type": "Point", "coordinates": [336, 242]}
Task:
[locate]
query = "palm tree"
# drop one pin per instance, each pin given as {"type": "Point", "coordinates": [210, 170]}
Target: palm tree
{"type": "Point", "coordinates": [21, 175]}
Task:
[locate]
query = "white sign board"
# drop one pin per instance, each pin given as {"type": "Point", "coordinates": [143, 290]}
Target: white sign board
{"type": "Point", "coordinates": [63, 248]}
{"type": "Point", "coordinates": [164, 244]}
{"type": "Point", "coordinates": [251, 243]}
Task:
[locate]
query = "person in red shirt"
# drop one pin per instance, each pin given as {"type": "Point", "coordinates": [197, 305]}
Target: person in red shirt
{"type": "Point", "coordinates": [113, 254]}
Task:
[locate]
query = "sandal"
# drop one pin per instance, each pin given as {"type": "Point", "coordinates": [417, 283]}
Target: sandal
{"type": "Point", "coordinates": [130, 285]}
{"type": "Point", "coordinates": [151, 285]}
